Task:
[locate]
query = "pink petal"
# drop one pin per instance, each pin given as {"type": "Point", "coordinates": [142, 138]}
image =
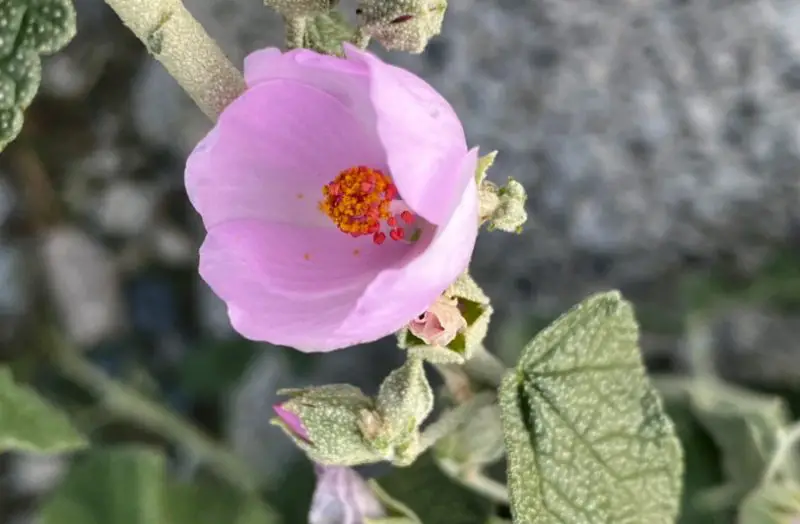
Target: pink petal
{"type": "Point", "coordinates": [276, 294]}
{"type": "Point", "coordinates": [421, 134]}
{"type": "Point", "coordinates": [346, 80]}
{"type": "Point", "coordinates": [291, 420]}
{"type": "Point", "coordinates": [272, 151]}
{"type": "Point", "coordinates": [401, 292]}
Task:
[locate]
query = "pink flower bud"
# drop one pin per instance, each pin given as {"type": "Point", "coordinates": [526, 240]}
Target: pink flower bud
{"type": "Point", "coordinates": [439, 325]}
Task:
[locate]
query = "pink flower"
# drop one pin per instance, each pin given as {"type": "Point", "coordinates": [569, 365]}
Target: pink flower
{"type": "Point", "coordinates": [440, 324]}
{"type": "Point", "coordinates": [339, 199]}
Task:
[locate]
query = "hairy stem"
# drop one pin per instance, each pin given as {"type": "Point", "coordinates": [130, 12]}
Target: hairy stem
{"type": "Point", "coordinates": [180, 43]}
{"type": "Point", "coordinates": [482, 371]}
{"type": "Point", "coordinates": [453, 419]}
{"type": "Point", "coordinates": [786, 444]}
{"type": "Point", "coordinates": [125, 403]}
{"type": "Point", "coordinates": [485, 368]}
{"type": "Point", "coordinates": [295, 32]}
{"type": "Point", "coordinates": [477, 481]}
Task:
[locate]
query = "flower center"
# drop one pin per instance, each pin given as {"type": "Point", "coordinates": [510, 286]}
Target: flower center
{"type": "Point", "coordinates": [359, 202]}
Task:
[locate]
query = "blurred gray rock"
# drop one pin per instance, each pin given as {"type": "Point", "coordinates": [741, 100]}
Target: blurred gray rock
{"type": "Point", "coordinates": [172, 245]}
{"type": "Point", "coordinates": [15, 290]}
{"type": "Point", "coordinates": [754, 346]}
{"type": "Point", "coordinates": [648, 133]}
{"type": "Point", "coordinates": [73, 71]}
{"type": "Point", "coordinates": [125, 208]}
{"type": "Point", "coordinates": [645, 131]}
{"type": "Point", "coordinates": [8, 199]}
{"type": "Point", "coordinates": [34, 474]}
{"type": "Point", "coordinates": [162, 112]}
{"type": "Point", "coordinates": [259, 443]}
{"type": "Point", "coordinates": [213, 313]}
{"type": "Point", "coordinates": [13, 295]}
{"type": "Point", "coordinates": [83, 283]}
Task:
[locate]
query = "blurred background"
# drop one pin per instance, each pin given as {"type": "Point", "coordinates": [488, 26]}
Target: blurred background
{"type": "Point", "coordinates": [659, 141]}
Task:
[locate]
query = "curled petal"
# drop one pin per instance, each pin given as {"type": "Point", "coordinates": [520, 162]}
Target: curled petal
{"type": "Point", "coordinates": [421, 134]}
{"type": "Point", "coordinates": [291, 420]}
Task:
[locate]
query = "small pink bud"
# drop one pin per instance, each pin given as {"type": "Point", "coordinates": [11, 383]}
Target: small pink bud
{"type": "Point", "coordinates": [291, 420]}
{"type": "Point", "coordinates": [440, 324]}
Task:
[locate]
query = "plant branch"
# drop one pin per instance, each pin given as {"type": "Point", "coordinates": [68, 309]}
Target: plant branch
{"type": "Point", "coordinates": [179, 42]}
{"type": "Point", "coordinates": [125, 403]}
{"type": "Point", "coordinates": [481, 372]}
{"type": "Point", "coordinates": [786, 443]}
{"type": "Point", "coordinates": [485, 368]}
{"type": "Point", "coordinates": [453, 419]}
{"type": "Point", "coordinates": [477, 481]}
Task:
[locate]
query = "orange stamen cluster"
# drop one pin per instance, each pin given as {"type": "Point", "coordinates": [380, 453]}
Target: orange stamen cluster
{"type": "Point", "coordinates": [358, 200]}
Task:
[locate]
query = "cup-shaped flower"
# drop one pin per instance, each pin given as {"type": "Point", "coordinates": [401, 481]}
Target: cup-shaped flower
{"type": "Point", "coordinates": [342, 497]}
{"type": "Point", "coordinates": [339, 198]}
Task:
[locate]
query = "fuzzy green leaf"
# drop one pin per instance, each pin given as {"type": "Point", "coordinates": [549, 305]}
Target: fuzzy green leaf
{"type": "Point", "coordinates": [702, 457]}
{"type": "Point", "coordinates": [587, 438]}
{"type": "Point", "coordinates": [28, 29]}
{"type": "Point", "coordinates": [745, 427]}
{"type": "Point", "coordinates": [29, 423]}
{"type": "Point", "coordinates": [484, 163]}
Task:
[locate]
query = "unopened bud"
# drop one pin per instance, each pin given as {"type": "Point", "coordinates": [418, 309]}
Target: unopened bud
{"type": "Point", "coordinates": [474, 308]}
{"type": "Point", "coordinates": [503, 207]}
{"type": "Point", "coordinates": [440, 323]}
{"type": "Point", "coordinates": [402, 25]}
{"type": "Point", "coordinates": [484, 163]}
{"type": "Point", "coordinates": [329, 423]}
{"type": "Point", "coordinates": [342, 497]}
{"type": "Point", "coordinates": [405, 400]}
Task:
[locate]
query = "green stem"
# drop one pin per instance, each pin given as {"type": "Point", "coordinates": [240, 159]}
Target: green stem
{"type": "Point", "coordinates": [361, 38]}
{"type": "Point", "coordinates": [127, 404]}
{"type": "Point", "coordinates": [482, 371]}
{"type": "Point", "coordinates": [451, 420]}
{"type": "Point", "coordinates": [699, 345]}
{"type": "Point", "coordinates": [485, 368]}
{"type": "Point", "coordinates": [180, 43]}
{"type": "Point", "coordinates": [296, 28]}
{"type": "Point", "coordinates": [475, 480]}
{"type": "Point", "coordinates": [786, 443]}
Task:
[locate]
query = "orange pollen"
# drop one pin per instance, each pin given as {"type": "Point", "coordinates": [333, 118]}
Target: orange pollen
{"type": "Point", "coordinates": [358, 201]}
